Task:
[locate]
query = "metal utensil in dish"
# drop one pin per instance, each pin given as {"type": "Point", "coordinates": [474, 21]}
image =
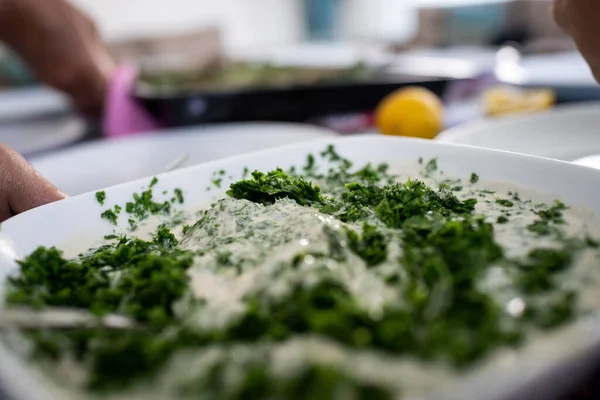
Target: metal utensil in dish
{"type": "Point", "coordinates": [61, 318]}
{"type": "Point", "coordinates": [177, 162]}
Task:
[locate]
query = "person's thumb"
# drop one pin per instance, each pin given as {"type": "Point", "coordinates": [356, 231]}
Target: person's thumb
{"type": "Point", "coordinates": [21, 186]}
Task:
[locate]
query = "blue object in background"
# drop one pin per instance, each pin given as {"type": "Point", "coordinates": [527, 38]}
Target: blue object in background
{"type": "Point", "coordinates": [320, 17]}
{"type": "Point", "coordinates": [478, 21]}
{"type": "Point", "coordinates": [14, 71]}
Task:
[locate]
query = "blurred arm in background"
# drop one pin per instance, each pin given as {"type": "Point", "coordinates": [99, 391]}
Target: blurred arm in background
{"type": "Point", "coordinates": [62, 47]}
{"type": "Point", "coordinates": [581, 19]}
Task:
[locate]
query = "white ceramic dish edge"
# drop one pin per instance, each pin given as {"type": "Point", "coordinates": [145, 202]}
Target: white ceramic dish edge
{"type": "Point", "coordinates": [535, 367]}
{"type": "Point", "coordinates": [566, 132]}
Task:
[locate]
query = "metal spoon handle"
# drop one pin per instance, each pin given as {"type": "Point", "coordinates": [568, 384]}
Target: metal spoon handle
{"type": "Point", "coordinates": [61, 318]}
{"type": "Point", "coordinates": [176, 163]}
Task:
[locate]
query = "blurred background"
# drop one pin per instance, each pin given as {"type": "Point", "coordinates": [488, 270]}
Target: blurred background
{"type": "Point", "coordinates": [204, 79]}
{"type": "Point", "coordinates": [217, 78]}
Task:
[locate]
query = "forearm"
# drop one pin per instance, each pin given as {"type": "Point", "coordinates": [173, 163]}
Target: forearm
{"type": "Point", "coordinates": [4, 17]}
{"type": "Point", "coordinates": [62, 47]}
{"type": "Point", "coordinates": [580, 18]}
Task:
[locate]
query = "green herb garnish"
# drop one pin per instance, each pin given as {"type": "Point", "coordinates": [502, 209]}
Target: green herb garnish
{"type": "Point", "coordinates": [431, 167]}
{"type": "Point", "coordinates": [505, 202]}
{"type": "Point", "coordinates": [371, 246]}
{"type": "Point", "coordinates": [548, 219]}
{"type": "Point", "coordinates": [112, 215]}
{"type": "Point", "coordinates": [100, 197]}
{"type": "Point", "coordinates": [143, 204]}
{"type": "Point", "coordinates": [179, 195]}
{"type": "Point", "coordinates": [266, 188]}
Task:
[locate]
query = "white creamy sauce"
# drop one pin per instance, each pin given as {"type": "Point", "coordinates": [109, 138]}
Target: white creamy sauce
{"type": "Point", "coordinates": [262, 241]}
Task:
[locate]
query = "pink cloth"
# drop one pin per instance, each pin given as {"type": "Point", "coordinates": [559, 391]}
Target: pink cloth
{"type": "Point", "coordinates": [123, 116]}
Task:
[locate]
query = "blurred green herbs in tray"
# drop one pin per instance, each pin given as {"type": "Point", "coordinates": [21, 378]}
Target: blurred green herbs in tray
{"type": "Point", "coordinates": [245, 75]}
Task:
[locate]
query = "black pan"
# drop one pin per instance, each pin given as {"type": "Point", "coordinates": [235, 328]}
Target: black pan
{"type": "Point", "coordinates": [292, 103]}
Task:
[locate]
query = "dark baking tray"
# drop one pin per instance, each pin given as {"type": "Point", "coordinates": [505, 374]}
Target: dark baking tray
{"type": "Point", "coordinates": [291, 103]}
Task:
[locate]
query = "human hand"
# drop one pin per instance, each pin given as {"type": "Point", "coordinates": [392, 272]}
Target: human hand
{"type": "Point", "coordinates": [62, 46]}
{"type": "Point", "coordinates": [21, 186]}
{"type": "Point", "coordinates": [580, 18]}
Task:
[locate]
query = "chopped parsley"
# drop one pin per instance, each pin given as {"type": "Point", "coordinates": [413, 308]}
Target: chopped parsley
{"type": "Point", "coordinates": [591, 242]}
{"type": "Point", "coordinates": [101, 197]}
{"type": "Point", "coordinates": [474, 178]}
{"type": "Point", "coordinates": [267, 188]}
{"type": "Point", "coordinates": [548, 219]}
{"type": "Point", "coordinates": [148, 300]}
{"type": "Point", "coordinates": [505, 202]}
{"type": "Point", "coordinates": [143, 206]}
{"type": "Point", "coordinates": [431, 167]}
{"type": "Point", "coordinates": [371, 245]}
{"type": "Point", "coordinates": [111, 215]}
{"type": "Point", "coordinates": [179, 195]}
{"type": "Point", "coordinates": [553, 214]}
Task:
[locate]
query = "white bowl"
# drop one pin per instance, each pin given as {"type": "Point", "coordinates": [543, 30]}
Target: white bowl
{"type": "Point", "coordinates": [589, 161]}
{"type": "Point", "coordinates": [533, 372]}
{"type": "Point", "coordinates": [565, 132]}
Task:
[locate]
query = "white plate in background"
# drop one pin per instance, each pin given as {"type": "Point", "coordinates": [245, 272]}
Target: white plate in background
{"type": "Point", "coordinates": [566, 69]}
{"type": "Point", "coordinates": [94, 165]}
{"type": "Point", "coordinates": [529, 372]}
{"type": "Point", "coordinates": [37, 118]}
{"type": "Point", "coordinates": [566, 73]}
{"type": "Point", "coordinates": [29, 136]}
{"type": "Point", "coordinates": [31, 102]}
{"type": "Point", "coordinates": [565, 132]}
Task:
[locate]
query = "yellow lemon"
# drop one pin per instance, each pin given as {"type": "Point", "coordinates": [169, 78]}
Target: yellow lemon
{"type": "Point", "coordinates": [504, 101]}
{"type": "Point", "coordinates": [410, 111]}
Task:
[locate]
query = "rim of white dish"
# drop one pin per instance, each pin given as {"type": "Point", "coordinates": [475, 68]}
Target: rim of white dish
{"type": "Point", "coordinates": [456, 133]}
